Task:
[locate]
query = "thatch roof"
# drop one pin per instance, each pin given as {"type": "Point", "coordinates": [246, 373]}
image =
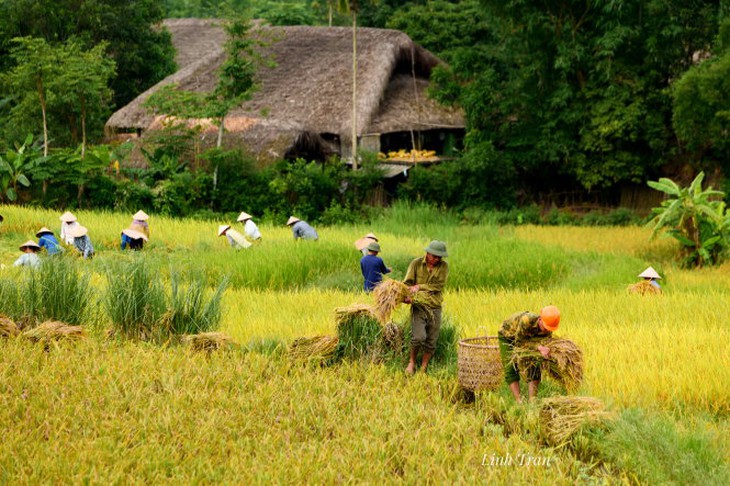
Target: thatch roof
{"type": "Point", "coordinates": [308, 90]}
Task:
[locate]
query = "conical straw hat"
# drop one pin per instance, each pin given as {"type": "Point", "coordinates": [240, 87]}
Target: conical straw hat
{"type": "Point", "coordinates": [649, 273]}
{"type": "Point", "coordinates": [29, 244]}
{"type": "Point", "coordinates": [244, 216]}
{"type": "Point", "coordinates": [223, 228]}
{"type": "Point", "coordinates": [134, 234]}
{"type": "Point", "coordinates": [78, 231]}
{"type": "Point", "coordinates": [67, 217]}
{"type": "Point", "coordinates": [292, 220]}
{"type": "Point", "coordinates": [140, 216]}
{"type": "Point", "coordinates": [43, 230]}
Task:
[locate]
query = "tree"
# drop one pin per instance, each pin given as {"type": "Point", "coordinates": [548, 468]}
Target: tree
{"type": "Point", "coordinates": [696, 218]}
{"type": "Point", "coordinates": [14, 167]}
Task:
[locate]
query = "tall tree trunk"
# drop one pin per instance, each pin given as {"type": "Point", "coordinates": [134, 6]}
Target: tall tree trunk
{"type": "Point", "coordinates": [354, 90]}
{"type": "Point", "coordinates": [42, 98]}
{"type": "Point", "coordinates": [83, 128]}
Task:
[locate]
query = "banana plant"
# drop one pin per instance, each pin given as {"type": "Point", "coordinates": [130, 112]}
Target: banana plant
{"type": "Point", "coordinates": [697, 218]}
{"type": "Point", "coordinates": [14, 166]}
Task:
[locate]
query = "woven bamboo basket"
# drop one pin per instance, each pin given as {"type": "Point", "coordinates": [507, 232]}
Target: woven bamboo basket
{"type": "Point", "coordinates": [480, 366]}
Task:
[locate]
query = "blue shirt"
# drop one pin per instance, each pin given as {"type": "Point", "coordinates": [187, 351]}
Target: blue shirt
{"type": "Point", "coordinates": [84, 246]}
{"type": "Point", "coordinates": [302, 230]}
{"type": "Point", "coordinates": [134, 244]}
{"type": "Point", "coordinates": [50, 243]}
{"type": "Point", "coordinates": [373, 268]}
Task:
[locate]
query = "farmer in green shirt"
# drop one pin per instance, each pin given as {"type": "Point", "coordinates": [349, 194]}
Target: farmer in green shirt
{"type": "Point", "coordinates": [426, 277]}
{"type": "Point", "coordinates": [515, 331]}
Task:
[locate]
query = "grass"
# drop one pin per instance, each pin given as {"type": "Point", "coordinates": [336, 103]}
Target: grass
{"type": "Point", "coordinates": [116, 411]}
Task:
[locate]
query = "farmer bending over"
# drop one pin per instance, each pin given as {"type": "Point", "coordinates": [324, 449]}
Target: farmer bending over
{"type": "Point", "coordinates": [426, 277]}
{"type": "Point", "coordinates": [515, 331]}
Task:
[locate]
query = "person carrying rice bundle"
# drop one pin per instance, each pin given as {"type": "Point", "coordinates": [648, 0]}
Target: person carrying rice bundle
{"type": "Point", "coordinates": [426, 277]}
{"type": "Point", "coordinates": [235, 239]}
{"type": "Point", "coordinates": [515, 331]}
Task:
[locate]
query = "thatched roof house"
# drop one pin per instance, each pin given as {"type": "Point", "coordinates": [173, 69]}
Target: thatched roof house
{"type": "Point", "coordinates": [303, 104]}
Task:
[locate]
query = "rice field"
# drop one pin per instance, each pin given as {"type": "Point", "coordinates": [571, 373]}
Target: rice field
{"type": "Point", "coordinates": [102, 410]}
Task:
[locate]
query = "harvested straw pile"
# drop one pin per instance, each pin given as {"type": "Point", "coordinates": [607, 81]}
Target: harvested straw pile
{"type": "Point", "coordinates": [359, 332]}
{"type": "Point", "coordinates": [561, 417]}
{"type": "Point", "coordinates": [644, 288]}
{"type": "Point", "coordinates": [207, 341]}
{"type": "Point", "coordinates": [317, 348]}
{"type": "Point", "coordinates": [55, 331]}
{"type": "Point", "coordinates": [388, 295]}
{"type": "Point", "coordinates": [393, 336]}
{"type": "Point", "coordinates": [346, 314]}
{"type": "Point", "coordinates": [8, 328]}
{"type": "Point", "coordinates": [564, 363]}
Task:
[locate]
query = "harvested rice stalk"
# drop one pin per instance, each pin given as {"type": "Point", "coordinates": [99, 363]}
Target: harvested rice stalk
{"type": "Point", "coordinates": [643, 288]}
{"type": "Point", "coordinates": [54, 331]}
{"type": "Point", "coordinates": [207, 341]}
{"type": "Point", "coordinates": [561, 417]}
{"type": "Point", "coordinates": [388, 295]}
{"type": "Point", "coordinates": [564, 363]}
{"type": "Point", "coordinates": [393, 337]}
{"type": "Point", "coordinates": [359, 335]}
{"type": "Point", "coordinates": [317, 348]}
{"type": "Point", "coordinates": [345, 314]}
{"type": "Point", "coordinates": [8, 328]}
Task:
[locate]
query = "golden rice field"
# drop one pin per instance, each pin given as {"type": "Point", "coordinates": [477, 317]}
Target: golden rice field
{"type": "Point", "coordinates": [107, 411]}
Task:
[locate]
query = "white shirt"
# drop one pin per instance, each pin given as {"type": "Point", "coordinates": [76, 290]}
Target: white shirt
{"type": "Point", "coordinates": [252, 231]}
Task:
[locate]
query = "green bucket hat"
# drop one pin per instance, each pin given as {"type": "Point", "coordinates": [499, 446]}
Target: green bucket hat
{"type": "Point", "coordinates": [437, 248]}
{"type": "Point", "coordinates": [374, 246]}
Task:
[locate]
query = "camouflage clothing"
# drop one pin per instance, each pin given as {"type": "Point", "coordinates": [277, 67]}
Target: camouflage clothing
{"type": "Point", "coordinates": [516, 329]}
{"type": "Point", "coordinates": [429, 282]}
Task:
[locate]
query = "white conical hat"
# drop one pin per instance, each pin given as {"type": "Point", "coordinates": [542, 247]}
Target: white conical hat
{"type": "Point", "coordinates": [134, 234]}
{"type": "Point", "coordinates": [223, 228]}
{"type": "Point", "coordinates": [43, 230]}
{"type": "Point", "coordinates": [140, 216]}
{"type": "Point", "coordinates": [67, 217]}
{"type": "Point", "coordinates": [649, 273]}
{"type": "Point", "coordinates": [292, 220]}
{"type": "Point", "coordinates": [244, 216]}
{"type": "Point", "coordinates": [31, 244]}
{"type": "Point", "coordinates": [78, 231]}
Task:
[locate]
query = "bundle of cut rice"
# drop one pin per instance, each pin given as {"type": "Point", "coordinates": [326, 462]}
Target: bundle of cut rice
{"type": "Point", "coordinates": [317, 348]}
{"type": "Point", "coordinates": [345, 314]}
{"type": "Point", "coordinates": [644, 288]}
{"type": "Point", "coordinates": [388, 295]}
{"type": "Point", "coordinates": [8, 328]}
{"type": "Point", "coordinates": [55, 331]}
{"type": "Point", "coordinates": [393, 337]}
{"type": "Point", "coordinates": [561, 417]}
{"type": "Point", "coordinates": [564, 363]}
{"type": "Point", "coordinates": [207, 341]}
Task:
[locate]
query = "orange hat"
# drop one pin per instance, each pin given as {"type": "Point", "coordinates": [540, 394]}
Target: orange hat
{"type": "Point", "coordinates": [550, 316]}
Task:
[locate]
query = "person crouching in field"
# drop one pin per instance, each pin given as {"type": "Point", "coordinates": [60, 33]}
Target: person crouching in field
{"type": "Point", "coordinates": [133, 237]}
{"type": "Point", "coordinates": [139, 223]}
{"type": "Point", "coordinates": [47, 240]}
{"type": "Point", "coordinates": [81, 241]}
{"type": "Point", "coordinates": [235, 239]}
{"type": "Point", "coordinates": [29, 257]}
{"type": "Point", "coordinates": [68, 223]}
{"type": "Point", "coordinates": [426, 277]}
{"type": "Point", "coordinates": [515, 331]}
{"type": "Point", "coordinates": [301, 229]}
{"type": "Point", "coordinates": [372, 267]}
{"type": "Point", "coordinates": [249, 227]}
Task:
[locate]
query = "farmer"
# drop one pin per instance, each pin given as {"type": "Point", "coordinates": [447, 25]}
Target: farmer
{"type": "Point", "coordinates": [235, 239]}
{"type": "Point", "coordinates": [651, 276]}
{"type": "Point", "coordinates": [372, 267]}
{"type": "Point", "coordinates": [516, 330]}
{"type": "Point", "coordinates": [301, 229]}
{"type": "Point", "coordinates": [47, 240]}
{"type": "Point", "coordinates": [362, 243]}
{"type": "Point", "coordinates": [139, 219]}
{"type": "Point", "coordinates": [249, 227]}
{"type": "Point", "coordinates": [133, 237]}
{"type": "Point", "coordinates": [68, 222]}
{"type": "Point", "coordinates": [426, 277]}
{"type": "Point", "coordinates": [81, 241]}
{"type": "Point", "coordinates": [29, 257]}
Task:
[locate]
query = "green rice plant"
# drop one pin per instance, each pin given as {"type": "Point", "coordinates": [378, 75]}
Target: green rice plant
{"type": "Point", "coordinates": [10, 303]}
{"type": "Point", "coordinates": [134, 299]}
{"type": "Point", "coordinates": [59, 289]}
{"type": "Point", "coordinates": [190, 308]}
{"type": "Point", "coordinates": [360, 337]}
{"type": "Point", "coordinates": [267, 346]}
